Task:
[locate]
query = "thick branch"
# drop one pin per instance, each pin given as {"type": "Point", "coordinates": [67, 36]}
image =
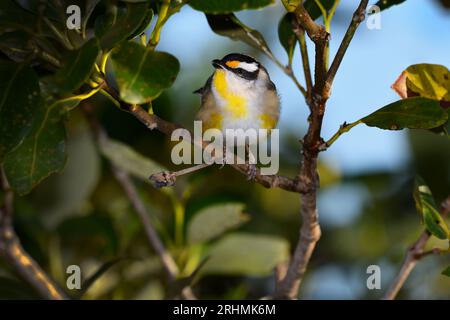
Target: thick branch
{"type": "Point", "coordinates": [14, 253]}
{"type": "Point", "coordinates": [152, 122]}
{"type": "Point", "coordinates": [308, 178]}
{"type": "Point", "coordinates": [413, 255]}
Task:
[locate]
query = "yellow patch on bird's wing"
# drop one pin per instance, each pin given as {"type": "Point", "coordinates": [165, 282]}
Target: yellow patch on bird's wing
{"type": "Point", "coordinates": [235, 104]}
{"type": "Point", "coordinates": [267, 121]}
{"type": "Point", "coordinates": [232, 64]}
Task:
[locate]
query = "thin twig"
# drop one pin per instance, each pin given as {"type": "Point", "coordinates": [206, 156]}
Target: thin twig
{"type": "Point", "coordinates": [358, 17]}
{"type": "Point", "coordinates": [14, 253]}
{"type": "Point", "coordinates": [168, 178]}
{"type": "Point", "coordinates": [300, 33]}
{"type": "Point", "coordinates": [413, 255]}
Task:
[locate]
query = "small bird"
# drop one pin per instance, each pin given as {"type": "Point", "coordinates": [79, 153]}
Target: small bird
{"type": "Point", "coordinates": [238, 95]}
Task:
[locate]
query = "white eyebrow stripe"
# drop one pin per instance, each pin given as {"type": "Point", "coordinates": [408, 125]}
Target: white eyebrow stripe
{"type": "Point", "coordinates": [250, 67]}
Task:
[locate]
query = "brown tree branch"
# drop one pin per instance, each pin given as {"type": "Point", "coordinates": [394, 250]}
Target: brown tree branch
{"type": "Point", "coordinates": [14, 253]}
{"type": "Point", "coordinates": [413, 255]}
{"type": "Point", "coordinates": [152, 122]}
{"type": "Point", "coordinates": [132, 195]}
{"type": "Point", "coordinates": [308, 178]}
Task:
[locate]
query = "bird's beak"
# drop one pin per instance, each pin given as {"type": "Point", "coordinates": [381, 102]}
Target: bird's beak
{"type": "Point", "coordinates": [217, 64]}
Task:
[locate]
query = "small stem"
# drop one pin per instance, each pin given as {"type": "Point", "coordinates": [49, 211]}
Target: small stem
{"type": "Point", "coordinates": [163, 15]}
{"type": "Point", "coordinates": [345, 127]}
{"type": "Point", "coordinates": [300, 33]}
{"type": "Point", "coordinates": [103, 61]}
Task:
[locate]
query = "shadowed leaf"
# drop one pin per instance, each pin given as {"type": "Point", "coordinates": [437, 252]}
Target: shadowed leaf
{"type": "Point", "coordinates": [121, 22]}
{"type": "Point", "coordinates": [214, 220]}
{"type": "Point", "coordinates": [228, 25]}
{"type": "Point", "coordinates": [228, 6]}
{"type": "Point", "coordinates": [426, 206]}
{"type": "Point", "coordinates": [446, 272]}
{"type": "Point", "coordinates": [78, 65]}
{"type": "Point", "coordinates": [287, 37]}
{"type": "Point", "coordinates": [314, 10]}
{"type": "Point", "coordinates": [246, 254]}
{"type": "Point", "coordinates": [142, 74]}
{"type": "Point", "coordinates": [129, 160]}
{"type": "Point", "coordinates": [19, 99]}
{"type": "Point", "coordinates": [40, 154]}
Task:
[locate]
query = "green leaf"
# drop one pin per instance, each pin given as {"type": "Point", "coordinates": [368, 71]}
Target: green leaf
{"type": "Point", "coordinates": [19, 99]}
{"type": "Point", "coordinates": [385, 4]}
{"type": "Point", "coordinates": [412, 113]}
{"type": "Point", "coordinates": [78, 66]}
{"type": "Point", "coordinates": [142, 74]}
{"type": "Point", "coordinates": [214, 220]}
{"type": "Point", "coordinates": [129, 160]}
{"type": "Point", "coordinates": [40, 154]}
{"type": "Point", "coordinates": [120, 23]}
{"type": "Point", "coordinates": [228, 6]}
{"type": "Point", "coordinates": [314, 10]}
{"type": "Point", "coordinates": [429, 81]}
{"type": "Point", "coordinates": [287, 37]}
{"type": "Point", "coordinates": [246, 254]}
{"type": "Point", "coordinates": [228, 25]}
{"type": "Point", "coordinates": [446, 272]}
{"type": "Point", "coordinates": [426, 206]}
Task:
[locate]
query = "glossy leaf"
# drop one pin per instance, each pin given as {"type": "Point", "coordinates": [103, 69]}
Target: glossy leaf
{"type": "Point", "coordinates": [426, 206]}
{"type": "Point", "coordinates": [40, 154]}
{"type": "Point", "coordinates": [228, 6]}
{"type": "Point", "coordinates": [228, 25]}
{"type": "Point", "coordinates": [120, 23]}
{"type": "Point", "coordinates": [385, 4]}
{"type": "Point", "coordinates": [287, 37]}
{"type": "Point", "coordinates": [412, 113]}
{"type": "Point", "coordinates": [78, 65]}
{"type": "Point", "coordinates": [246, 254]}
{"type": "Point", "coordinates": [214, 220]}
{"type": "Point", "coordinates": [19, 99]}
{"type": "Point", "coordinates": [142, 74]}
{"type": "Point", "coordinates": [129, 160]}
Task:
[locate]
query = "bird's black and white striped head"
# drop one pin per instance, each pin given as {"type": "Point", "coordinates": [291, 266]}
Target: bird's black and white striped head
{"type": "Point", "coordinates": [241, 65]}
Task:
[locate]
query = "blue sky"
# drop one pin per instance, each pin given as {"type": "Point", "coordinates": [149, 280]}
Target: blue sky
{"type": "Point", "coordinates": [410, 33]}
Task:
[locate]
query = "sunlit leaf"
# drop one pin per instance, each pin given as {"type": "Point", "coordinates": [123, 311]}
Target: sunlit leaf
{"type": "Point", "coordinates": [412, 113]}
{"type": "Point", "coordinates": [228, 6]}
{"type": "Point", "coordinates": [129, 160]}
{"type": "Point", "coordinates": [214, 220]}
{"type": "Point", "coordinates": [142, 74]}
{"type": "Point", "coordinates": [426, 205]}
{"type": "Point", "coordinates": [246, 254]}
{"type": "Point", "coordinates": [19, 99]}
{"type": "Point", "coordinates": [228, 25]}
